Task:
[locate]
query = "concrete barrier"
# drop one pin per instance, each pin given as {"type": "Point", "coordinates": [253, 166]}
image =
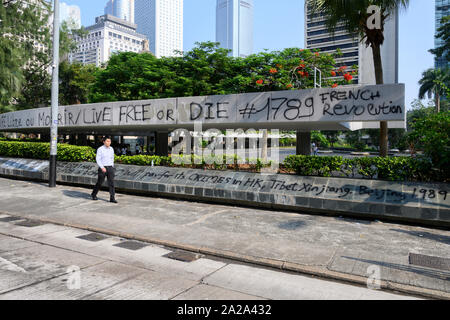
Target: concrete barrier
{"type": "Point", "coordinates": [421, 203]}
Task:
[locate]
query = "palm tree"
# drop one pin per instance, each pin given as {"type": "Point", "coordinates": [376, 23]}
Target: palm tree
{"type": "Point", "coordinates": [434, 82]}
{"type": "Point", "coordinates": [352, 14]}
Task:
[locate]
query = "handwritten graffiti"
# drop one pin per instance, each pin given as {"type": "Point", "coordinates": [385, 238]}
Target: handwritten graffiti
{"type": "Point", "coordinates": [357, 103]}
{"type": "Point", "coordinates": [209, 111]}
{"type": "Point", "coordinates": [289, 109]}
{"type": "Point", "coordinates": [145, 112]}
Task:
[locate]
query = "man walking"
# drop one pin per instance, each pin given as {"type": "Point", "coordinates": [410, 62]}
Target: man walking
{"type": "Point", "coordinates": [105, 161]}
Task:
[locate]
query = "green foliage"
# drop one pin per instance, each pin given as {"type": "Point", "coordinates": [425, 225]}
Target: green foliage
{"type": "Point", "coordinates": [284, 142]}
{"type": "Point", "coordinates": [208, 70]}
{"type": "Point", "coordinates": [23, 25]}
{"type": "Point", "coordinates": [332, 136]}
{"type": "Point", "coordinates": [393, 169]}
{"type": "Point", "coordinates": [143, 160]}
{"type": "Point", "coordinates": [435, 82]}
{"type": "Point", "coordinates": [314, 165]}
{"type": "Point", "coordinates": [443, 33]}
{"type": "Point", "coordinates": [432, 135]}
{"type": "Point", "coordinates": [41, 150]}
{"type": "Point", "coordinates": [387, 168]}
{"type": "Point", "coordinates": [353, 138]}
{"type": "Point", "coordinates": [75, 82]}
{"type": "Point", "coordinates": [26, 54]}
{"type": "Point", "coordinates": [319, 139]}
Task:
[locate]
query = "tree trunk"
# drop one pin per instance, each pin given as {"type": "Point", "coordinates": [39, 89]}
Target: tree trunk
{"type": "Point", "coordinates": [378, 64]}
{"type": "Point", "coordinates": [438, 101]}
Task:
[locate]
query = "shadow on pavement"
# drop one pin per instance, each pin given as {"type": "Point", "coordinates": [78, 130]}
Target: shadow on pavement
{"type": "Point", "coordinates": [292, 225]}
{"type": "Point", "coordinates": [77, 194]}
{"type": "Point", "coordinates": [426, 235]}
{"type": "Point", "coordinates": [436, 274]}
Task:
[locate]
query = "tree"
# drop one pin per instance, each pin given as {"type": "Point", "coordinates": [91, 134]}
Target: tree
{"type": "Point", "coordinates": [332, 136]}
{"type": "Point", "coordinates": [353, 16]}
{"type": "Point", "coordinates": [208, 70]}
{"type": "Point", "coordinates": [21, 27]}
{"type": "Point", "coordinates": [432, 134]}
{"type": "Point", "coordinates": [443, 33]}
{"type": "Point", "coordinates": [434, 82]}
{"type": "Point", "coordinates": [75, 82]}
{"type": "Point", "coordinates": [26, 53]}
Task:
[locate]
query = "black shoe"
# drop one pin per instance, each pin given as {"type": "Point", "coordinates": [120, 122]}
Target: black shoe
{"type": "Point", "coordinates": [94, 197]}
{"type": "Point", "coordinates": [113, 200]}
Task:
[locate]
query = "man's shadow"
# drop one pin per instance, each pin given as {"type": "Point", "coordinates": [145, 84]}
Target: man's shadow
{"type": "Point", "coordinates": [80, 195]}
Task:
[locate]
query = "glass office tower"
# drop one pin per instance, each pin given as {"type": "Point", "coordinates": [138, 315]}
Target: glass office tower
{"type": "Point", "coordinates": [234, 26]}
{"type": "Point", "coordinates": [162, 22]}
{"type": "Point", "coordinates": [442, 10]}
{"type": "Point", "coordinates": [123, 9]}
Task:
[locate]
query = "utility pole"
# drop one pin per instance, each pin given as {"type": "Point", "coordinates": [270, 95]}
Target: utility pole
{"type": "Point", "coordinates": [55, 91]}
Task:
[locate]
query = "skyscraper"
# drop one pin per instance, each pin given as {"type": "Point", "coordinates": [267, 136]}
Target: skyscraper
{"type": "Point", "coordinates": [442, 10]}
{"type": "Point", "coordinates": [234, 26]}
{"type": "Point", "coordinates": [162, 22]}
{"type": "Point", "coordinates": [123, 9]}
{"type": "Point", "coordinates": [353, 51]}
{"type": "Point", "coordinates": [70, 14]}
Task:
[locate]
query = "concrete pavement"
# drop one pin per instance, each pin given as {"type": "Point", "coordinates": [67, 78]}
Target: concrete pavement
{"type": "Point", "coordinates": [51, 262]}
{"type": "Point", "coordinates": [341, 249]}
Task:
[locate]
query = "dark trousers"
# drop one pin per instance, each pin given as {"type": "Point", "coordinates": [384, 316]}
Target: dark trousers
{"type": "Point", "coordinates": [101, 178]}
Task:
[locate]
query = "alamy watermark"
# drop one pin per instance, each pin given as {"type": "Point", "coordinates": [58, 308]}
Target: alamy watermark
{"type": "Point", "coordinates": [74, 278]}
{"type": "Point", "coordinates": [235, 146]}
{"type": "Point", "coordinates": [374, 20]}
{"type": "Point", "coordinates": [374, 279]}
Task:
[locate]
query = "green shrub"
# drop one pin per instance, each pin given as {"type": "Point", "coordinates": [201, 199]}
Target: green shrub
{"type": "Point", "coordinates": [143, 160]}
{"type": "Point", "coordinates": [314, 165]}
{"type": "Point", "coordinates": [431, 134]}
{"type": "Point", "coordinates": [390, 168]}
{"type": "Point", "coordinates": [41, 150]}
{"type": "Point", "coordinates": [319, 139]}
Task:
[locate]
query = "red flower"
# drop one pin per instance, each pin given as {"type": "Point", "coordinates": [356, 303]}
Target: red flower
{"type": "Point", "coordinates": [342, 68]}
{"type": "Point", "coordinates": [334, 85]}
{"type": "Point", "coordinates": [303, 66]}
{"type": "Point", "coordinates": [260, 81]}
{"type": "Point", "coordinates": [273, 70]}
{"type": "Point", "coordinates": [333, 73]}
{"type": "Point", "coordinates": [317, 54]}
{"type": "Point", "coordinates": [289, 86]}
{"type": "Point", "coordinates": [348, 76]}
{"type": "Point", "coordinates": [301, 73]}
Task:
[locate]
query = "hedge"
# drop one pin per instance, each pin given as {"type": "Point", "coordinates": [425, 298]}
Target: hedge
{"type": "Point", "coordinates": [389, 168]}
{"type": "Point", "coordinates": [41, 150]}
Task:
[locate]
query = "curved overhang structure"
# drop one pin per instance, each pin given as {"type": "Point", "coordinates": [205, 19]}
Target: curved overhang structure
{"type": "Point", "coordinates": [302, 110]}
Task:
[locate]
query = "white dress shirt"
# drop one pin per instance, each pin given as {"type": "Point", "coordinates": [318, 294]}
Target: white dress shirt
{"type": "Point", "coordinates": [105, 157]}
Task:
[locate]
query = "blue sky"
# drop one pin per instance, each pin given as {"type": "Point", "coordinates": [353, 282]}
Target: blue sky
{"type": "Point", "coordinates": [279, 24]}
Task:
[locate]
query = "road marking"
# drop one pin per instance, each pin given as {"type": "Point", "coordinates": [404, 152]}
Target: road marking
{"type": "Point", "coordinates": [8, 265]}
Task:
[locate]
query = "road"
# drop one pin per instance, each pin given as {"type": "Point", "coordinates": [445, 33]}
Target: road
{"type": "Point", "coordinates": [52, 262]}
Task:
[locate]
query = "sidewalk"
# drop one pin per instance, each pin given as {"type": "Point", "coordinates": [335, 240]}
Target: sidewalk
{"type": "Point", "coordinates": [335, 248]}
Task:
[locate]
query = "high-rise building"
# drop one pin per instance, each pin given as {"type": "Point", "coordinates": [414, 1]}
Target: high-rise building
{"type": "Point", "coordinates": [123, 9]}
{"type": "Point", "coordinates": [442, 10]}
{"type": "Point", "coordinates": [234, 26]}
{"type": "Point", "coordinates": [70, 14]}
{"type": "Point", "coordinates": [107, 36]}
{"type": "Point", "coordinates": [354, 52]}
{"type": "Point", "coordinates": [162, 22]}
